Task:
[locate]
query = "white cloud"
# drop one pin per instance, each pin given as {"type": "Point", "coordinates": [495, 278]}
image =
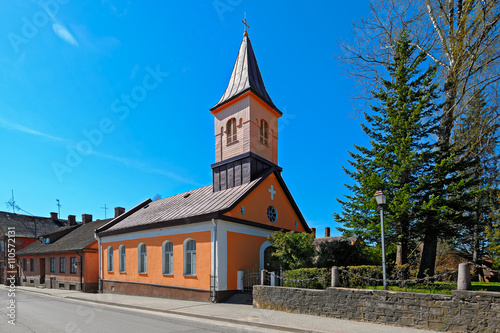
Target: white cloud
{"type": "Point", "coordinates": [21, 128]}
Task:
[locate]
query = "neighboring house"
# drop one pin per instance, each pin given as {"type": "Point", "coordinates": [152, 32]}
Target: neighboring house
{"type": "Point", "coordinates": [25, 230]}
{"type": "Point", "coordinates": [65, 259]}
{"type": "Point", "coordinates": [200, 243]}
{"type": "Point", "coordinates": [353, 240]}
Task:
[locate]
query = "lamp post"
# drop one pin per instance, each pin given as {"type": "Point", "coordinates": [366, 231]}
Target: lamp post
{"type": "Point", "coordinates": [381, 199]}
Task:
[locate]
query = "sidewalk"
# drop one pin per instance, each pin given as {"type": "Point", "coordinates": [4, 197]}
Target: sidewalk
{"type": "Point", "coordinates": [231, 313]}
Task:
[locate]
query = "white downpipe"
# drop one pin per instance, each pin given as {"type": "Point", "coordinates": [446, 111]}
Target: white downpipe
{"type": "Point", "coordinates": [214, 298]}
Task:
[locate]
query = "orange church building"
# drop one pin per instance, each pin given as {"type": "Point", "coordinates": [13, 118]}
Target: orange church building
{"type": "Point", "coordinates": [198, 244]}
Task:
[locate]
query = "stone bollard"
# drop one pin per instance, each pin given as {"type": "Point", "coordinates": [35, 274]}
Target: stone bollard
{"type": "Point", "coordinates": [335, 277]}
{"type": "Point", "coordinates": [464, 277]}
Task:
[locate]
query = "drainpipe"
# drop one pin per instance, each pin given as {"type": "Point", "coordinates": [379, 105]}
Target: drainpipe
{"type": "Point", "coordinates": [100, 262]}
{"type": "Point", "coordinates": [81, 270]}
{"type": "Point", "coordinates": [214, 298]}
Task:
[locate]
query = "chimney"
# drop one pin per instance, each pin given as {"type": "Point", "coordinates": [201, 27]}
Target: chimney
{"type": "Point", "coordinates": [314, 232]}
{"type": "Point", "coordinates": [86, 218]}
{"type": "Point", "coordinates": [327, 231]}
{"type": "Point", "coordinates": [71, 219]}
{"type": "Point", "coordinates": [53, 215]}
{"type": "Point", "coordinates": [119, 211]}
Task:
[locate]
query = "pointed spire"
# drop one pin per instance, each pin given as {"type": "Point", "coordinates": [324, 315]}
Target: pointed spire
{"type": "Point", "coordinates": [245, 77]}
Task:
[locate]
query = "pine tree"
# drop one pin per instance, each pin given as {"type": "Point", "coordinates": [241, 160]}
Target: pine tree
{"type": "Point", "coordinates": [399, 126]}
{"type": "Point", "coordinates": [477, 132]}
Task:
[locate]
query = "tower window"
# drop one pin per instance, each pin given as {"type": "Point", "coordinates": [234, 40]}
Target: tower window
{"type": "Point", "coordinates": [264, 129]}
{"type": "Point", "coordinates": [231, 131]}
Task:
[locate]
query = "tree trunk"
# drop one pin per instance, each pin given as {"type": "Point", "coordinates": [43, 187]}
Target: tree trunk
{"type": "Point", "coordinates": [429, 251]}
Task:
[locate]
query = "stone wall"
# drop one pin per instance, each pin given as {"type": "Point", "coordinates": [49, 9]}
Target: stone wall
{"type": "Point", "coordinates": [463, 311]}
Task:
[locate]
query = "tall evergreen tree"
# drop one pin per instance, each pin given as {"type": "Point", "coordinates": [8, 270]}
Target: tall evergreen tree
{"type": "Point", "coordinates": [477, 132]}
{"type": "Point", "coordinates": [399, 126]}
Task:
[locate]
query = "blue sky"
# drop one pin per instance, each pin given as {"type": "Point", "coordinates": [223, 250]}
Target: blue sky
{"type": "Point", "coordinates": [70, 130]}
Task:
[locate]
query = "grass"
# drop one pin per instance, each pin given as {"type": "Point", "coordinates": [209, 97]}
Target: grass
{"type": "Point", "coordinates": [440, 287]}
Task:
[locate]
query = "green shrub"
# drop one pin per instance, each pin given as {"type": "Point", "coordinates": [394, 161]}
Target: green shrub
{"type": "Point", "coordinates": [300, 278]}
{"type": "Point", "coordinates": [354, 277]}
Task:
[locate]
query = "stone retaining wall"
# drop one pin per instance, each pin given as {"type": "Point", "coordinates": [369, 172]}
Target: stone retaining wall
{"type": "Point", "coordinates": [463, 311]}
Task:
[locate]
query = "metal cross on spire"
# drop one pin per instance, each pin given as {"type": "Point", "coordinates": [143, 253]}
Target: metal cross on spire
{"type": "Point", "coordinates": [246, 25]}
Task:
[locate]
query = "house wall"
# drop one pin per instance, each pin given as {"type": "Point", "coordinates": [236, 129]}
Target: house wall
{"type": "Point", "coordinates": [20, 243]}
{"type": "Point", "coordinates": [56, 280]}
{"type": "Point", "coordinates": [154, 274]}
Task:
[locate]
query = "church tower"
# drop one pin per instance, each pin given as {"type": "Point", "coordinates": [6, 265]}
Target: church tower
{"type": "Point", "coordinates": [246, 125]}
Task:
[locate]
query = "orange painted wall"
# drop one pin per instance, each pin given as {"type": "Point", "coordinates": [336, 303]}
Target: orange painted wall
{"type": "Point", "coordinates": [91, 267]}
{"type": "Point", "coordinates": [243, 253]}
{"type": "Point", "coordinates": [155, 261]}
{"type": "Point", "coordinates": [256, 204]}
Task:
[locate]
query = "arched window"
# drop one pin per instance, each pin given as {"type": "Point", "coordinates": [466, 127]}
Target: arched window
{"type": "Point", "coordinates": [264, 129]}
{"type": "Point", "coordinates": [110, 258]}
{"type": "Point", "coordinates": [123, 261]}
{"type": "Point", "coordinates": [189, 257]}
{"type": "Point", "coordinates": [231, 131]}
{"type": "Point", "coordinates": [168, 258]}
{"type": "Point", "coordinates": [143, 258]}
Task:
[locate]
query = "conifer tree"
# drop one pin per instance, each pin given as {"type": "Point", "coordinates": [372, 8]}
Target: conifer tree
{"type": "Point", "coordinates": [400, 126]}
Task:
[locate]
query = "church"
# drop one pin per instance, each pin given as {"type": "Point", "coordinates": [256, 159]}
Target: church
{"type": "Point", "coordinates": [198, 245]}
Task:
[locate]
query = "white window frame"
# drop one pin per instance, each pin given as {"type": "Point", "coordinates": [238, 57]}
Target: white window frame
{"type": "Point", "coordinates": [168, 258]}
{"type": "Point", "coordinates": [142, 258]}
{"type": "Point", "coordinates": [122, 261]}
{"type": "Point", "coordinates": [110, 259]}
{"type": "Point", "coordinates": [189, 257]}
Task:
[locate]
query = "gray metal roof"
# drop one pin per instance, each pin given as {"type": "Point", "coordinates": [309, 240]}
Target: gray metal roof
{"type": "Point", "coordinates": [246, 76]}
{"type": "Point", "coordinates": [76, 240]}
{"type": "Point", "coordinates": [351, 239]}
{"type": "Point", "coordinates": [197, 202]}
{"type": "Point", "coordinates": [27, 226]}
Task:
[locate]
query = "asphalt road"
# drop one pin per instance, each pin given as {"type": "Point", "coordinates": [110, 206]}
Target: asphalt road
{"type": "Point", "coordinates": [45, 314]}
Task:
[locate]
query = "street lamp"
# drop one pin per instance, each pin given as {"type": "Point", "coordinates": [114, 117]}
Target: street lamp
{"type": "Point", "coordinates": [381, 199]}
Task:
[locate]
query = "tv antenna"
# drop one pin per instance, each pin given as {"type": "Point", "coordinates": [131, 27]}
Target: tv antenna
{"type": "Point", "coordinates": [12, 204]}
{"type": "Point", "coordinates": [58, 208]}
{"type": "Point", "coordinates": [105, 209]}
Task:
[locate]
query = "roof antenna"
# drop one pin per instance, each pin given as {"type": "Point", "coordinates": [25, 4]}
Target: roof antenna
{"type": "Point", "coordinates": [246, 25]}
{"type": "Point", "coordinates": [12, 204]}
{"type": "Point", "coordinates": [105, 209]}
{"type": "Point", "coordinates": [58, 208]}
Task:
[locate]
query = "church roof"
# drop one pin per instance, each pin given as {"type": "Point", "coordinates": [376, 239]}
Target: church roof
{"type": "Point", "coordinates": [245, 77]}
{"type": "Point", "coordinates": [198, 204]}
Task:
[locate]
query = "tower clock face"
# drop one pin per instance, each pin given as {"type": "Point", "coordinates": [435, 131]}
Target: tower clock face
{"type": "Point", "coordinates": [272, 214]}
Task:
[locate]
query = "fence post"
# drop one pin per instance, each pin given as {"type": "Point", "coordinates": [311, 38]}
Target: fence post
{"type": "Point", "coordinates": [239, 279]}
{"type": "Point", "coordinates": [273, 279]}
{"type": "Point", "coordinates": [335, 277]}
{"type": "Point", "coordinates": [464, 277]}
{"type": "Point", "coordinates": [262, 277]}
